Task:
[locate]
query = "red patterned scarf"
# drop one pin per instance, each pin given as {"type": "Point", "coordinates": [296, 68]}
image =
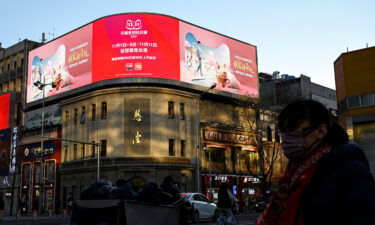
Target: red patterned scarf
{"type": "Point", "coordinates": [283, 206]}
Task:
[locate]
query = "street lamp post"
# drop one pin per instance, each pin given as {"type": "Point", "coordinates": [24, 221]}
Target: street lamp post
{"type": "Point", "coordinates": [41, 86]}
{"type": "Point", "coordinates": [199, 134]}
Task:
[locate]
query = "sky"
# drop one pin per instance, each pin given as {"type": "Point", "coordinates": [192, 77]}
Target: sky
{"type": "Point", "coordinates": [293, 37]}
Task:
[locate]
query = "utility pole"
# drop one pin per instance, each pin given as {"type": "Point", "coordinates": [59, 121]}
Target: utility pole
{"type": "Point", "coordinates": [198, 135]}
{"type": "Point", "coordinates": [41, 86]}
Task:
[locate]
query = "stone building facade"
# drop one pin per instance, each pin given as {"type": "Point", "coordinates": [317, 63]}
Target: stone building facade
{"type": "Point", "coordinates": [149, 130]}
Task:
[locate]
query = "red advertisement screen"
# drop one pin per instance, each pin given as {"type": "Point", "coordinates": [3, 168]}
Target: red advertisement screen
{"type": "Point", "coordinates": [66, 62]}
{"type": "Point", "coordinates": [4, 111]}
{"type": "Point", "coordinates": [208, 58]}
{"type": "Point", "coordinates": [136, 45]}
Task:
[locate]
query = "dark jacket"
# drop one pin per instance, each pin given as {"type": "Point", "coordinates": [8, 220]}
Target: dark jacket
{"type": "Point", "coordinates": [342, 190]}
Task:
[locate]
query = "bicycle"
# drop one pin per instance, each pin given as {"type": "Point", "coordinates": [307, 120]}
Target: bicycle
{"type": "Point", "coordinates": [226, 218]}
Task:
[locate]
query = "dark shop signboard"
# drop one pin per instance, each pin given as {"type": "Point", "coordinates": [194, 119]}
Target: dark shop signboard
{"type": "Point", "coordinates": [35, 151]}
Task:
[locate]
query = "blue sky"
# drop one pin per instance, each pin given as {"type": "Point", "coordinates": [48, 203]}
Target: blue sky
{"type": "Point", "coordinates": [293, 37]}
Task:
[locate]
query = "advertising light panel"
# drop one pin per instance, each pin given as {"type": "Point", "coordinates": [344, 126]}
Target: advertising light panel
{"type": "Point", "coordinates": [65, 62]}
{"type": "Point", "coordinates": [4, 111]}
{"type": "Point", "coordinates": [136, 45]}
{"type": "Point", "coordinates": [207, 58]}
{"type": "Point", "coordinates": [142, 45]}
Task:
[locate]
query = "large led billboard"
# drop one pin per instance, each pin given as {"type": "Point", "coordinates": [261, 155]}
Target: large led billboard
{"type": "Point", "coordinates": [142, 45]}
{"type": "Point", "coordinates": [4, 111]}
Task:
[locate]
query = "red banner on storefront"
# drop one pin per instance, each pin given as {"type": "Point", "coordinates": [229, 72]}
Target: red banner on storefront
{"type": "Point", "coordinates": [210, 135]}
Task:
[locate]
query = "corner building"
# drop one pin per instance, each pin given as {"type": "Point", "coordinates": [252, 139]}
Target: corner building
{"type": "Point", "coordinates": [355, 79]}
{"type": "Point", "coordinates": [140, 86]}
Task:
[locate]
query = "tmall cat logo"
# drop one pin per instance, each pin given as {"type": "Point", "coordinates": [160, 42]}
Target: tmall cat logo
{"type": "Point", "coordinates": [133, 25]}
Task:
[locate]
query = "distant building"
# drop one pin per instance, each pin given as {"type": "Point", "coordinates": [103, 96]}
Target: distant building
{"type": "Point", "coordinates": [355, 83]}
{"type": "Point", "coordinates": [278, 90]}
{"type": "Point", "coordinates": [12, 82]}
{"type": "Point", "coordinates": [300, 87]}
{"type": "Point", "coordinates": [12, 65]}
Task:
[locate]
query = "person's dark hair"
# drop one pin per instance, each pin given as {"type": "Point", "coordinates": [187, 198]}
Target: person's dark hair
{"type": "Point", "coordinates": [223, 196]}
{"type": "Point", "coordinates": [168, 180]}
{"type": "Point", "coordinates": [317, 114]}
{"type": "Point", "coordinates": [224, 187]}
{"type": "Point", "coordinates": [121, 182]}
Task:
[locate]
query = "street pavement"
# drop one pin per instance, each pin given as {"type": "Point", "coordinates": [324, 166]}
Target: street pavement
{"type": "Point", "coordinates": [247, 218]}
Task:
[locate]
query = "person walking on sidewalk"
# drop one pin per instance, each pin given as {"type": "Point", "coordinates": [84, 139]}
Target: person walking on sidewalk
{"type": "Point", "coordinates": [327, 180]}
{"type": "Point", "coordinates": [226, 200]}
{"type": "Point", "coordinates": [70, 201]}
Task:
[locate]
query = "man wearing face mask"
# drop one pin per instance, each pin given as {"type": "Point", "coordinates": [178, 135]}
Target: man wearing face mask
{"type": "Point", "coordinates": [327, 180]}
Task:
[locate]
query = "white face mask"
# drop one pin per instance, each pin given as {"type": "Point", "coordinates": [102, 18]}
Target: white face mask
{"type": "Point", "coordinates": [296, 142]}
{"type": "Point", "coordinates": [292, 142]}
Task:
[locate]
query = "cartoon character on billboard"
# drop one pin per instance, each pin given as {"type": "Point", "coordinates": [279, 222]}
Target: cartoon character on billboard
{"type": "Point", "coordinates": [50, 70]}
{"type": "Point", "coordinates": [199, 57]}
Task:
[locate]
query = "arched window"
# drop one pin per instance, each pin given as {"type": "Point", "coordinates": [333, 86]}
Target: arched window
{"type": "Point", "coordinates": [269, 133]}
{"type": "Point", "coordinates": [277, 136]}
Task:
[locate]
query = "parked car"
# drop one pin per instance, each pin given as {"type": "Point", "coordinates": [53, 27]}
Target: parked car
{"type": "Point", "coordinates": [203, 208]}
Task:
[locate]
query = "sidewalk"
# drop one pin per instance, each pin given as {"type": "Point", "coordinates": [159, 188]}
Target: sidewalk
{"type": "Point", "coordinates": [29, 220]}
{"type": "Point", "coordinates": [246, 218]}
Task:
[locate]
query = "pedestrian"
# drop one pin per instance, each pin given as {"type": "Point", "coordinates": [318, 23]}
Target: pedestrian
{"type": "Point", "coordinates": [57, 206]}
{"type": "Point", "coordinates": [70, 200]}
{"type": "Point", "coordinates": [23, 206]}
{"type": "Point", "coordinates": [226, 201]}
{"type": "Point", "coordinates": [2, 204]}
{"type": "Point", "coordinates": [171, 187]}
{"type": "Point", "coordinates": [327, 180]}
{"type": "Point", "coordinates": [246, 202]}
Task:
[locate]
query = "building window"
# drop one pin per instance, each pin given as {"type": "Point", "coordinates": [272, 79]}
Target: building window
{"type": "Point", "coordinates": [269, 133]}
{"type": "Point", "coordinates": [103, 148]}
{"type": "Point", "coordinates": [104, 110]}
{"type": "Point", "coordinates": [15, 65]}
{"type": "Point", "coordinates": [170, 109]}
{"type": "Point", "coordinates": [75, 155]}
{"type": "Point", "coordinates": [182, 111]}
{"type": "Point", "coordinates": [75, 118]}
{"type": "Point", "coordinates": [22, 61]}
{"type": "Point", "coordinates": [367, 100]}
{"type": "Point", "coordinates": [183, 148]}
{"type": "Point", "coordinates": [93, 150]}
{"type": "Point", "coordinates": [83, 115]}
{"type": "Point", "coordinates": [82, 151]}
{"type": "Point", "coordinates": [171, 147]}
{"type": "Point", "coordinates": [93, 112]}
{"type": "Point", "coordinates": [66, 118]}
{"type": "Point", "coordinates": [277, 136]}
{"type": "Point", "coordinates": [354, 101]}
{"type": "Point", "coordinates": [254, 161]}
{"type": "Point", "coordinates": [65, 153]}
